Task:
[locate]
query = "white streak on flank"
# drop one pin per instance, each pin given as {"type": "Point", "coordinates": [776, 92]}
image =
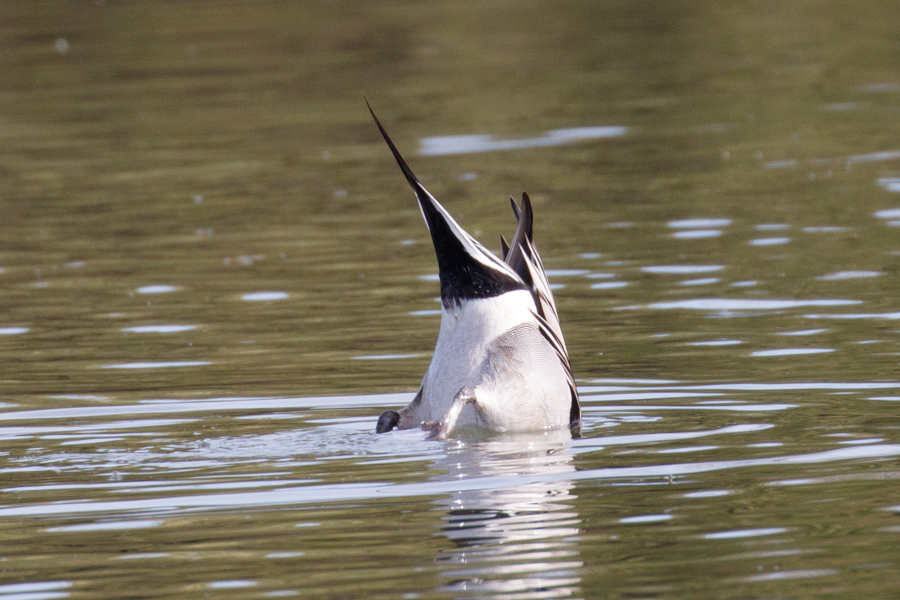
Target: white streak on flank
{"type": "Point", "coordinates": [468, 144]}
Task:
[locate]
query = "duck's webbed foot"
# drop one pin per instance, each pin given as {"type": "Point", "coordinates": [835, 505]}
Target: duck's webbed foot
{"type": "Point", "coordinates": [387, 421]}
{"type": "Point", "coordinates": [442, 429]}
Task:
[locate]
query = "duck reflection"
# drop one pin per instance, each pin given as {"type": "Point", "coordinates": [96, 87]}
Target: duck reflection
{"type": "Point", "coordinates": [518, 541]}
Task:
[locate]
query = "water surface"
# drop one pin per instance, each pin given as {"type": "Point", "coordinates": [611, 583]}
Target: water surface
{"type": "Point", "coordinates": [213, 279]}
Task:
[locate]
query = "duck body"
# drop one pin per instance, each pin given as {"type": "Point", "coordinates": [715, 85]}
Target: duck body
{"type": "Point", "coordinates": [500, 361]}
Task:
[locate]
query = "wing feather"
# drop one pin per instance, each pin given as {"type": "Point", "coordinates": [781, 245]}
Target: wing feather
{"type": "Point", "coordinates": [523, 257]}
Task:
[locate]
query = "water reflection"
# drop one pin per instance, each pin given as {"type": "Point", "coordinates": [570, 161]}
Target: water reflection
{"type": "Point", "coordinates": [156, 289]}
{"type": "Point", "coordinates": [38, 590]}
{"type": "Point", "coordinates": [468, 144]}
{"type": "Point", "coordinates": [517, 539]}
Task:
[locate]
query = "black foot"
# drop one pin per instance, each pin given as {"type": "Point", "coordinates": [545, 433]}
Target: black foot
{"type": "Point", "coordinates": [387, 421]}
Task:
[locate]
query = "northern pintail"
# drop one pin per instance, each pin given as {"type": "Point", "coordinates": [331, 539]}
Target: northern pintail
{"type": "Point", "coordinates": [500, 361]}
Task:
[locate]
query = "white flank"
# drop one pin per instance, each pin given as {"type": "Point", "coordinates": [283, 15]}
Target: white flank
{"type": "Point", "coordinates": [466, 332]}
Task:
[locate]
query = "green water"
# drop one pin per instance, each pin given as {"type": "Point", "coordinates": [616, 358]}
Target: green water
{"type": "Point", "coordinates": [726, 270]}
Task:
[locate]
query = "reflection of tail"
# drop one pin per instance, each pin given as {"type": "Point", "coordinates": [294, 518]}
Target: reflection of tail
{"type": "Point", "coordinates": [518, 539]}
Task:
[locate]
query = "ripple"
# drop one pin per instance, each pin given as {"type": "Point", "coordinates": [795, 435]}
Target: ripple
{"type": "Point", "coordinates": [744, 533]}
{"type": "Point", "coordinates": [264, 296]}
{"type": "Point", "coordinates": [158, 365]}
{"type": "Point", "coordinates": [609, 285]}
{"type": "Point", "coordinates": [703, 281]}
{"type": "Point", "coordinates": [699, 223]}
{"type": "Point", "coordinates": [387, 356]}
{"type": "Point", "coordinates": [697, 234]}
{"type": "Point", "coordinates": [681, 269]}
{"type": "Point", "coordinates": [891, 184]}
{"type": "Point", "coordinates": [841, 275]}
{"type": "Point", "coordinates": [802, 332]}
{"type": "Point", "coordinates": [687, 449]}
{"type": "Point", "coordinates": [566, 272]}
{"type": "Point", "coordinates": [801, 574]}
{"type": "Point", "coordinates": [110, 526]}
{"type": "Point", "coordinates": [890, 213]}
{"type": "Point", "coordinates": [38, 590]}
{"type": "Point", "coordinates": [645, 519]}
{"type": "Point", "coordinates": [13, 330]}
{"type": "Point", "coordinates": [468, 144]}
{"type": "Point", "coordinates": [231, 584]}
{"type": "Point", "coordinates": [156, 289]}
{"type": "Point", "coordinates": [708, 494]}
{"type": "Point", "coordinates": [780, 164]}
{"type": "Point", "coordinates": [812, 385]}
{"type": "Point", "coordinates": [160, 407]}
{"type": "Point", "coordinates": [825, 229]}
{"type": "Point", "coordinates": [357, 491]}
{"type": "Point", "coordinates": [743, 305]}
{"type": "Point", "coordinates": [159, 328]}
{"type": "Point", "coordinates": [771, 241]}
{"type": "Point", "coordinates": [791, 351]}
{"type": "Point", "coordinates": [873, 157]}
{"type": "Point", "coordinates": [716, 343]}
{"type": "Point", "coordinates": [883, 316]}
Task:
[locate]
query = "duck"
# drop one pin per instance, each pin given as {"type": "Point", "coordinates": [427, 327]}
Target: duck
{"type": "Point", "coordinates": [500, 362]}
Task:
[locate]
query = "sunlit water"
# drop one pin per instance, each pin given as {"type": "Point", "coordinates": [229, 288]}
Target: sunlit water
{"type": "Point", "coordinates": [213, 279]}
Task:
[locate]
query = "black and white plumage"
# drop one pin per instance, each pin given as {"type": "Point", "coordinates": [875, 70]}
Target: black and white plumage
{"type": "Point", "coordinates": [500, 361]}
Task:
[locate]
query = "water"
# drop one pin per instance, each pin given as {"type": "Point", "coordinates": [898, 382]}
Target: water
{"type": "Point", "coordinates": [213, 279]}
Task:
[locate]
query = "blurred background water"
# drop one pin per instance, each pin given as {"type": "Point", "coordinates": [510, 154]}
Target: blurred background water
{"type": "Point", "coordinates": [213, 279]}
